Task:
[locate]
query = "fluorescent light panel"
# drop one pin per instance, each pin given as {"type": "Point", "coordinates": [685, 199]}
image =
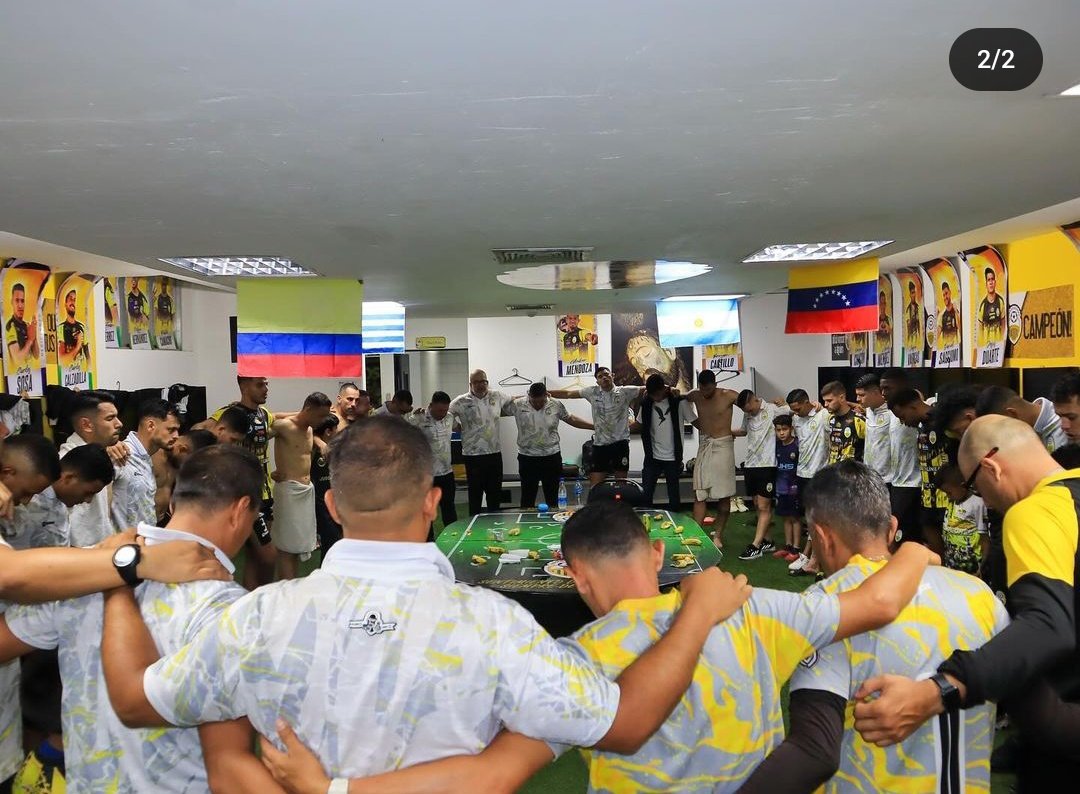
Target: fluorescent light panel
{"type": "Point", "coordinates": [810, 252]}
{"type": "Point", "coordinates": [256, 266]}
{"type": "Point", "coordinates": [733, 297]}
{"type": "Point", "coordinates": [1074, 91]}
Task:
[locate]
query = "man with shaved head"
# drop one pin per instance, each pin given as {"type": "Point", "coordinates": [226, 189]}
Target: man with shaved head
{"type": "Point", "coordinates": [478, 412]}
{"type": "Point", "coordinates": [1005, 461]}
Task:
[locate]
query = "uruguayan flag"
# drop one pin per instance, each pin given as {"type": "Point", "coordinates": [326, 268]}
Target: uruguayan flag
{"type": "Point", "coordinates": [383, 324]}
{"type": "Point", "coordinates": [705, 322]}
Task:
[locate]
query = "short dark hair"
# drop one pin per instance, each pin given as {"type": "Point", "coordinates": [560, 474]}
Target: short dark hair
{"type": "Point", "coordinates": [869, 381]}
{"type": "Point", "coordinates": [993, 400]}
{"type": "Point", "coordinates": [989, 272]}
{"type": "Point", "coordinates": [654, 383]}
{"type": "Point", "coordinates": [851, 499]}
{"type": "Point", "coordinates": [607, 528]}
{"type": "Point", "coordinates": [895, 374]}
{"type": "Point", "coordinates": [90, 463]}
{"type": "Point", "coordinates": [440, 398]}
{"type": "Point", "coordinates": [602, 369]}
{"type": "Point", "coordinates": [347, 385]}
{"type": "Point", "coordinates": [86, 403]}
{"type": "Point", "coordinates": [904, 397]}
{"type": "Point", "coordinates": [200, 439]}
{"type": "Point", "coordinates": [317, 400]}
{"type": "Point", "coordinates": [797, 396]}
{"type": "Point", "coordinates": [537, 390]}
{"type": "Point", "coordinates": [327, 424]}
{"type": "Point", "coordinates": [156, 409]}
{"type": "Point", "coordinates": [782, 420]}
{"type": "Point", "coordinates": [379, 462]}
{"type": "Point", "coordinates": [38, 451]}
{"type": "Point", "coordinates": [706, 376]}
{"type": "Point", "coordinates": [403, 396]}
{"type": "Point", "coordinates": [241, 379]}
{"type": "Point", "coordinates": [236, 420]}
{"type": "Point", "coordinates": [1066, 389]}
{"type": "Point", "coordinates": [216, 477]}
{"type": "Point", "coordinates": [1068, 456]}
{"type": "Point", "coordinates": [70, 292]}
{"type": "Point", "coordinates": [953, 401]}
{"type": "Point", "coordinates": [834, 387]}
{"type": "Point", "coordinates": [744, 397]}
{"type": "Point", "coordinates": [18, 288]}
{"type": "Point", "coordinates": [949, 474]}
{"type": "Point", "coordinates": [911, 286]}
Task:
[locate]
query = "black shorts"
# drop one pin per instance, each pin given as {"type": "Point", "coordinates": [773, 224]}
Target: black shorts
{"type": "Point", "coordinates": [760, 481]}
{"type": "Point", "coordinates": [789, 505]}
{"type": "Point", "coordinates": [611, 458]}
{"type": "Point", "coordinates": [267, 509]}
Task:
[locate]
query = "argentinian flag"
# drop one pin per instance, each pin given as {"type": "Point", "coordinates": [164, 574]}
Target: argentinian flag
{"type": "Point", "coordinates": [705, 322]}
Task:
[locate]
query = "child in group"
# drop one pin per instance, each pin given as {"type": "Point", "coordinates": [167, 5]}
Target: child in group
{"type": "Point", "coordinates": [964, 532]}
{"type": "Point", "coordinates": [788, 503]}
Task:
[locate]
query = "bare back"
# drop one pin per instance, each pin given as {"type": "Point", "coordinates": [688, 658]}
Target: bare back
{"type": "Point", "coordinates": [292, 451]}
{"type": "Point", "coordinates": [714, 412]}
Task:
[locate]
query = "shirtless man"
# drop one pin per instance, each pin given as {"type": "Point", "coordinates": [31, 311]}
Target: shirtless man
{"type": "Point", "coordinates": [293, 530]}
{"type": "Point", "coordinates": [352, 403]}
{"type": "Point", "coordinates": [714, 469]}
{"type": "Point", "coordinates": [167, 462]}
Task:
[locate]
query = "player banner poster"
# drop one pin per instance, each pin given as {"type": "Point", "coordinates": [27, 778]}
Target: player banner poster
{"type": "Point", "coordinates": [114, 325]}
{"type": "Point", "coordinates": [989, 279]}
{"type": "Point", "coordinates": [723, 358]}
{"type": "Point", "coordinates": [883, 336]}
{"type": "Point", "coordinates": [1041, 323]}
{"type": "Point", "coordinates": [575, 343]}
{"type": "Point", "coordinates": [858, 349]}
{"type": "Point", "coordinates": [75, 353]}
{"type": "Point", "coordinates": [1072, 231]}
{"type": "Point", "coordinates": [945, 332]}
{"type": "Point", "coordinates": [136, 312]}
{"type": "Point", "coordinates": [165, 313]}
{"type": "Point", "coordinates": [636, 353]}
{"type": "Point", "coordinates": [912, 316]}
{"type": "Point", "coordinates": [24, 354]}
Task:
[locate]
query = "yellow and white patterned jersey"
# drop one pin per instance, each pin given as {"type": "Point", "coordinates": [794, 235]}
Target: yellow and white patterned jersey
{"type": "Point", "coordinates": [730, 717]}
{"type": "Point", "coordinates": [101, 755]}
{"type": "Point", "coordinates": [11, 749]}
{"type": "Point", "coordinates": [381, 660]}
{"type": "Point", "coordinates": [479, 421]}
{"type": "Point", "coordinates": [951, 611]}
{"type": "Point", "coordinates": [537, 431]}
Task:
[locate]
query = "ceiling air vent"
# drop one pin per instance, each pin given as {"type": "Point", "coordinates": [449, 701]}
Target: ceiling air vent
{"type": "Point", "coordinates": [541, 256]}
{"type": "Point", "coordinates": [531, 307]}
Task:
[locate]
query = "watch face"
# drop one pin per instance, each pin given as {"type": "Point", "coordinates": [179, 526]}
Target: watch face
{"type": "Point", "coordinates": [125, 555]}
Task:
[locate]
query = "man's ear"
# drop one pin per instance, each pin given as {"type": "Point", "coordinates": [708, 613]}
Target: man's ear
{"type": "Point", "coordinates": [893, 526]}
{"type": "Point", "coordinates": [658, 551]}
{"type": "Point", "coordinates": [431, 503]}
{"type": "Point", "coordinates": [823, 541]}
{"type": "Point", "coordinates": [331, 506]}
{"type": "Point", "coordinates": [580, 576]}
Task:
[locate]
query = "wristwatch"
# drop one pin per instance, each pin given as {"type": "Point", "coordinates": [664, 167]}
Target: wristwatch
{"type": "Point", "coordinates": [950, 695]}
{"type": "Point", "coordinates": [126, 560]}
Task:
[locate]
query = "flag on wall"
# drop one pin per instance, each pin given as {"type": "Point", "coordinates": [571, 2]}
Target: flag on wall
{"type": "Point", "coordinates": [383, 327]}
{"type": "Point", "coordinates": [299, 328]}
{"type": "Point", "coordinates": [833, 298]}
{"type": "Point", "coordinates": [702, 322]}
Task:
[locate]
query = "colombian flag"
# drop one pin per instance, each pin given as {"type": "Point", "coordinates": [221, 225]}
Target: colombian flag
{"type": "Point", "coordinates": [299, 328]}
{"type": "Point", "coordinates": [833, 298]}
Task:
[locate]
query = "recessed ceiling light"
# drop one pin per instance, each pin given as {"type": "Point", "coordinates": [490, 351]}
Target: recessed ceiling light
{"type": "Point", "coordinates": [733, 297]}
{"type": "Point", "coordinates": [1074, 91]}
{"type": "Point", "coordinates": [256, 266]}
{"type": "Point", "coordinates": [809, 252]}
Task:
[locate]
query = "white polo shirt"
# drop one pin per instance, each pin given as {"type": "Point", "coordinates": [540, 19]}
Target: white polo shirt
{"type": "Point", "coordinates": [878, 452]}
{"type": "Point", "coordinates": [610, 412]}
{"type": "Point", "coordinates": [479, 420]}
{"type": "Point", "coordinates": [438, 433]}
{"type": "Point", "coordinates": [761, 436]}
{"type": "Point", "coordinates": [100, 753]}
{"type": "Point", "coordinates": [380, 660]}
{"type": "Point", "coordinates": [812, 431]}
{"type": "Point", "coordinates": [134, 488]}
{"type": "Point", "coordinates": [538, 431]}
{"type": "Point", "coordinates": [90, 523]}
{"type": "Point", "coordinates": [904, 447]}
{"type": "Point", "coordinates": [11, 749]}
{"type": "Point", "coordinates": [1048, 426]}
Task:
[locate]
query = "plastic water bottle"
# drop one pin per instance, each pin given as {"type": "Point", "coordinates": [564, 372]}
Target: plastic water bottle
{"type": "Point", "coordinates": [577, 492]}
{"type": "Point", "coordinates": [563, 502]}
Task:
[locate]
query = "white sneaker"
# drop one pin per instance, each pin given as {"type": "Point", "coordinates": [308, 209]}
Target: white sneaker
{"type": "Point", "coordinates": [799, 563]}
{"type": "Point", "coordinates": [738, 504]}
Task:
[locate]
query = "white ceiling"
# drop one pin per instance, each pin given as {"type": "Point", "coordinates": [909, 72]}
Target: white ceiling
{"type": "Point", "coordinates": [400, 142]}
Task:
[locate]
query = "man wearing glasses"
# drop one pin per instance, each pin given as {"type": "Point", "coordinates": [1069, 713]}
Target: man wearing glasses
{"type": "Point", "coordinates": [1035, 658]}
{"type": "Point", "coordinates": [478, 412]}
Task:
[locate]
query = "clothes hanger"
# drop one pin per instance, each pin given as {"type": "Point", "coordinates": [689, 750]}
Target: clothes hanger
{"type": "Point", "coordinates": [515, 380]}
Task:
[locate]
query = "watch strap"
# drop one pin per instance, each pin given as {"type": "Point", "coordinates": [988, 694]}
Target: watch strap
{"type": "Point", "coordinates": [128, 572]}
{"type": "Point", "coordinates": [950, 695]}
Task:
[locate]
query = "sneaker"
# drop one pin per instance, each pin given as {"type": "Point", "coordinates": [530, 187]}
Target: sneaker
{"type": "Point", "coordinates": [751, 552]}
{"type": "Point", "coordinates": [801, 572]}
{"type": "Point", "coordinates": [767, 546]}
{"type": "Point", "coordinates": [789, 556]}
{"type": "Point", "coordinates": [799, 563]}
{"type": "Point", "coordinates": [781, 553]}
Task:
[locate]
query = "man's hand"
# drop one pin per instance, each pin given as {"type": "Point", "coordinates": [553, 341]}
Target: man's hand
{"type": "Point", "coordinates": [779, 403]}
{"type": "Point", "coordinates": [119, 539]}
{"type": "Point", "coordinates": [180, 561]}
{"type": "Point", "coordinates": [902, 706]}
{"type": "Point", "coordinates": [297, 769]}
{"type": "Point", "coordinates": [118, 453]}
{"type": "Point", "coordinates": [716, 591]}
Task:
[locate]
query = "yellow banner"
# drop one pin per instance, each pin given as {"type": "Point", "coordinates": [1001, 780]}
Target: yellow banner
{"type": "Point", "coordinates": [165, 303]}
{"type": "Point", "coordinates": [944, 326]}
{"type": "Point", "coordinates": [990, 299]}
{"type": "Point", "coordinates": [20, 307]}
{"type": "Point", "coordinates": [723, 358]}
{"type": "Point", "coordinates": [114, 325]}
{"type": "Point", "coordinates": [75, 348]}
{"type": "Point", "coordinates": [913, 318]}
{"type": "Point", "coordinates": [883, 336]}
{"type": "Point", "coordinates": [858, 349]}
{"type": "Point", "coordinates": [133, 292]}
{"type": "Point", "coordinates": [575, 343]}
{"type": "Point", "coordinates": [1041, 323]}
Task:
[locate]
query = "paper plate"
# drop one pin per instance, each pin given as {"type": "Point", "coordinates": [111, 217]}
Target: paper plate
{"type": "Point", "coordinates": [557, 568]}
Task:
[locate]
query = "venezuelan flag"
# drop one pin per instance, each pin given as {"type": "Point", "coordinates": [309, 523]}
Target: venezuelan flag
{"type": "Point", "coordinates": [299, 328]}
{"type": "Point", "coordinates": [833, 298]}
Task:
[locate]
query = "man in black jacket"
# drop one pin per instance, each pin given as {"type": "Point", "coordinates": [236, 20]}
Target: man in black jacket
{"type": "Point", "coordinates": [662, 414]}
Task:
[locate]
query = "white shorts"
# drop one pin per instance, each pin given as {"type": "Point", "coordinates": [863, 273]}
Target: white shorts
{"type": "Point", "coordinates": [293, 530]}
{"type": "Point", "coordinates": [714, 469]}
